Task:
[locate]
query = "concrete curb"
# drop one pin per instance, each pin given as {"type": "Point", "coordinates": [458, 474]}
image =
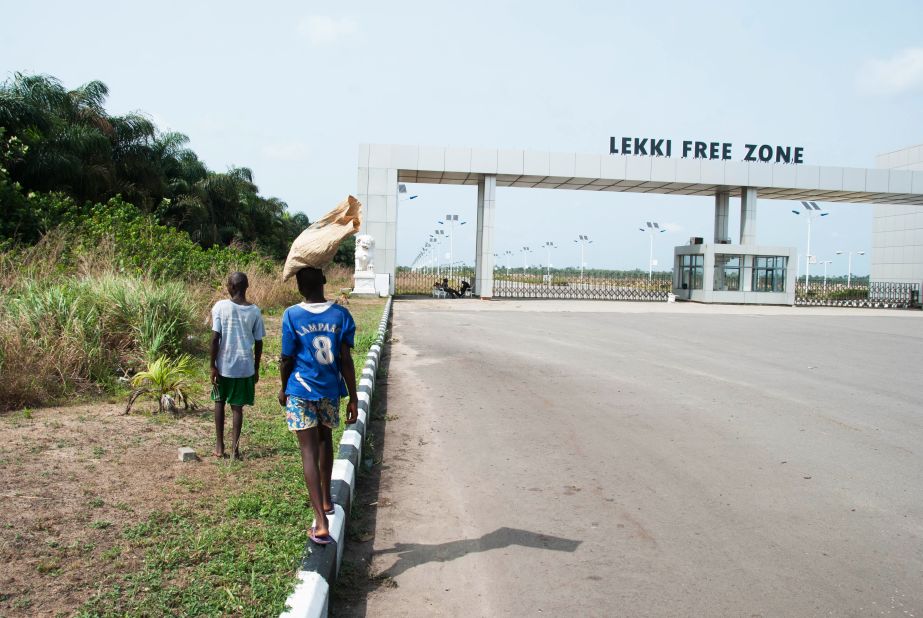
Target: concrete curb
{"type": "Point", "coordinates": [320, 564]}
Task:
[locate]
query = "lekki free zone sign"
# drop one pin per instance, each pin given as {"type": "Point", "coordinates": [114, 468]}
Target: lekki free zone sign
{"type": "Point", "coordinates": [693, 149]}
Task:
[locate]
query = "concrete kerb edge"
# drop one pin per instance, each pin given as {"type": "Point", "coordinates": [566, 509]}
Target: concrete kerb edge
{"type": "Point", "coordinates": [320, 564]}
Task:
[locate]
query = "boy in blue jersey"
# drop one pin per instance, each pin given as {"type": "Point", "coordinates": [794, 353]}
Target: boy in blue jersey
{"type": "Point", "coordinates": [317, 336]}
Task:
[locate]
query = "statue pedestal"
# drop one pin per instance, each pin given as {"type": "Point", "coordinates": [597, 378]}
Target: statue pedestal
{"type": "Point", "coordinates": [364, 284]}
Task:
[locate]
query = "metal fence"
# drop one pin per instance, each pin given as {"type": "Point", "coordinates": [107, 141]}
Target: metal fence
{"type": "Point", "coordinates": [427, 282]}
{"type": "Point", "coordinates": [543, 284]}
{"type": "Point", "coordinates": [569, 284]}
{"type": "Point", "coordinates": [627, 285]}
{"type": "Point", "coordinates": [876, 295]}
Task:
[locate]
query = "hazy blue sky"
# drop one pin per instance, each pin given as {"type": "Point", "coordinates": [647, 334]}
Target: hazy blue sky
{"type": "Point", "coordinates": [291, 88]}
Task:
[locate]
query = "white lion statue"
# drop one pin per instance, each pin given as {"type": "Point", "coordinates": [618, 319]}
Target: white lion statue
{"type": "Point", "coordinates": [364, 246]}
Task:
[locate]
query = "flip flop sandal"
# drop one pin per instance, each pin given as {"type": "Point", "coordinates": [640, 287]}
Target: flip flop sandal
{"type": "Point", "coordinates": [325, 539]}
{"type": "Point", "coordinates": [331, 511]}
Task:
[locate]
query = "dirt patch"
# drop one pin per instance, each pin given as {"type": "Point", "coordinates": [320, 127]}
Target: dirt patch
{"type": "Point", "coordinates": [73, 478]}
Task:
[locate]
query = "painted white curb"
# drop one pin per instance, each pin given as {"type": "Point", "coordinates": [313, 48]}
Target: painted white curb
{"type": "Point", "coordinates": [310, 597]}
{"type": "Point", "coordinates": [352, 438]}
{"type": "Point", "coordinates": [337, 524]}
{"type": "Point", "coordinates": [345, 471]}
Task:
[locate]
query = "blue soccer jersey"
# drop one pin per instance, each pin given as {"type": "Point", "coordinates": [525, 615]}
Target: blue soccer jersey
{"type": "Point", "coordinates": [312, 334]}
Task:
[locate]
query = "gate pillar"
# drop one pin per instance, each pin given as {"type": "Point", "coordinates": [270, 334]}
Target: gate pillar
{"type": "Point", "coordinates": [748, 215]}
{"type": "Point", "coordinates": [484, 252]}
{"type": "Point", "coordinates": [722, 201]}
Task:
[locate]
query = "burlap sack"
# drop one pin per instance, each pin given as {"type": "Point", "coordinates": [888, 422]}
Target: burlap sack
{"type": "Point", "coordinates": [317, 245]}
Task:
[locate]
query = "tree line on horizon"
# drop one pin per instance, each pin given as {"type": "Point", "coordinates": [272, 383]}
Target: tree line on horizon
{"type": "Point", "coordinates": [59, 141]}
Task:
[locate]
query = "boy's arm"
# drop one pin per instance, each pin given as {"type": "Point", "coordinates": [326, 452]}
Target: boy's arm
{"type": "Point", "coordinates": [348, 371]}
{"type": "Point", "coordinates": [286, 366]}
{"type": "Point", "coordinates": [257, 354]}
{"type": "Point", "coordinates": [216, 342]}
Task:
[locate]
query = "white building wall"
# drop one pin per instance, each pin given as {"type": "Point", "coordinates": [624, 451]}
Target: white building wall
{"type": "Point", "coordinates": [897, 230]}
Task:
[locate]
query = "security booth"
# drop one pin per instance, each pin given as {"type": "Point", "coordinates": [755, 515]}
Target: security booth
{"type": "Point", "coordinates": [736, 274]}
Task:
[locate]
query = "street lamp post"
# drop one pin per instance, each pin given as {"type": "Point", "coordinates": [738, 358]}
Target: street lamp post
{"type": "Point", "coordinates": [652, 228]}
{"type": "Point", "coordinates": [402, 193]}
{"type": "Point", "coordinates": [525, 265]}
{"type": "Point", "coordinates": [849, 265]}
{"type": "Point", "coordinates": [452, 219]}
{"type": "Point", "coordinates": [440, 236]}
{"type": "Point", "coordinates": [508, 254]}
{"type": "Point", "coordinates": [825, 273]}
{"type": "Point", "coordinates": [549, 245]}
{"type": "Point", "coordinates": [582, 240]}
{"type": "Point", "coordinates": [431, 252]}
{"type": "Point", "coordinates": [812, 211]}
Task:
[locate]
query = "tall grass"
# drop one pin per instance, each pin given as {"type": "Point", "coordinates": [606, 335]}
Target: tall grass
{"type": "Point", "coordinates": [61, 335]}
{"type": "Point", "coordinates": [71, 322]}
{"type": "Point", "coordinates": [268, 291]}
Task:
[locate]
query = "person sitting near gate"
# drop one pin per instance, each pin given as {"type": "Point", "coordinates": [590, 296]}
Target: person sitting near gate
{"type": "Point", "coordinates": [465, 286]}
{"type": "Point", "coordinates": [453, 293]}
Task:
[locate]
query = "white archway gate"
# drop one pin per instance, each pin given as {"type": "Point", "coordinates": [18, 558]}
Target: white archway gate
{"type": "Point", "coordinates": [382, 166]}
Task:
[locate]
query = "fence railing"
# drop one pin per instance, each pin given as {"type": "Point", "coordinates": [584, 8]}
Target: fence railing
{"type": "Point", "coordinates": [876, 294]}
{"type": "Point", "coordinates": [565, 284]}
{"type": "Point", "coordinates": [614, 285]}
{"type": "Point", "coordinates": [542, 284]}
{"type": "Point", "coordinates": [422, 282]}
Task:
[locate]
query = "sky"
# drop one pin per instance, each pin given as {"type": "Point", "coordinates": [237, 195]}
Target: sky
{"type": "Point", "coordinates": [290, 90]}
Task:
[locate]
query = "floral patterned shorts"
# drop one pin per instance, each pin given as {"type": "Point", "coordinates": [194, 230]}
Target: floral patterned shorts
{"type": "Point", "coordinates": [304, 414]}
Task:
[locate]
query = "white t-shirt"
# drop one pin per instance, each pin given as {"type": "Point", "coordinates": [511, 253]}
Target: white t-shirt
{"type": "Point", "coordinates": [240, 326]}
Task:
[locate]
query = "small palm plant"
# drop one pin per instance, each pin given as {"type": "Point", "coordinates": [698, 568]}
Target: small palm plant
{"type": "Point", "coordinates": [167, 379]}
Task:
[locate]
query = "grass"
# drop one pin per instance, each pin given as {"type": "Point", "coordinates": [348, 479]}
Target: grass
{"type": "Point", "coordinates": [82, 329]}
{"type": "Point", "coordinates": [233, 553]}
{"type": "Point", "coordinates": [67, 335]}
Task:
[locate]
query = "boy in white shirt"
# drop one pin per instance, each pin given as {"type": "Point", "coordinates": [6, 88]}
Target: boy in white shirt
{"type": "Point", "coordinates": [236, 348]}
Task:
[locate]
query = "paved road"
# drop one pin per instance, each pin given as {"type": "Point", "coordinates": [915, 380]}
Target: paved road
{"type": "Point", "coordinates": [616, 459]}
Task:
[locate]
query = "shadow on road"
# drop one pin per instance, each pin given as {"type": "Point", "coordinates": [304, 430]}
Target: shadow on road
{"type": "Point", "coordinates": [414, 554]}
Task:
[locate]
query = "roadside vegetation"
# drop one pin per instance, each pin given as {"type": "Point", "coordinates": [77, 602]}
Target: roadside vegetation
{"type": "Point", "coordinates": [104, 521]}
{"type": "Point", "coordinates": [115, 240]}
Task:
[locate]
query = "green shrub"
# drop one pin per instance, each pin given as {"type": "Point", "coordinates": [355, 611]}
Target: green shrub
{"type": "Point", "coordinates": [849, 294]}
{"type": "Point", "coordinates": [142, 246]}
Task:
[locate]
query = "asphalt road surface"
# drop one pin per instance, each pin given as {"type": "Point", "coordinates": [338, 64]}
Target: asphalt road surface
{"type": "Point", "coordinates": [627, 459]}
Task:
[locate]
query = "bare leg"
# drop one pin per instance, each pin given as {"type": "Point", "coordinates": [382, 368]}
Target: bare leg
{"type": "Point", "coordinates": [219, 429]}
{"type": "Point", "coordinates": [309, 445]}
{"type": "Point", "coordinates": [238, 423]}
{"type": "Point", "coordinates": [325, 463]}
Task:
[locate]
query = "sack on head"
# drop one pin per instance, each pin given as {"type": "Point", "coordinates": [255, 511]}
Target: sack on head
{"type": "Point", "coordinates": [316, 246]}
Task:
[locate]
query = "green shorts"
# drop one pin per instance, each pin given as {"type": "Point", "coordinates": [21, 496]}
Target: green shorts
{"type": "Point", "coordinates": [234, 391]}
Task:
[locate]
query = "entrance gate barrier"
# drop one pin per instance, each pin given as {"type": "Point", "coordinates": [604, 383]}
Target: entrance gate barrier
{"type": "Point", "coordinates": [878, 294]}
{"type": "Point", "coordinates": [541, 284]}
{"type": "Point", "coordinates": [562, 283]}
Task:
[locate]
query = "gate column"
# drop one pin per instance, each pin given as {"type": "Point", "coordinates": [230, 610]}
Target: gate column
{"type": "Point", "coordinates": [484, 252]}
{"type": "Point", "coordinates": [722, 202]}
{"type": "Point", "coordinates": [748, 215]}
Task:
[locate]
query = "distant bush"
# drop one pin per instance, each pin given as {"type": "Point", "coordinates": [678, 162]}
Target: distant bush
{"type": "Point", "coordinates": [849, 294]}
{"type": "Point", "coordinates": [143, 246]}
